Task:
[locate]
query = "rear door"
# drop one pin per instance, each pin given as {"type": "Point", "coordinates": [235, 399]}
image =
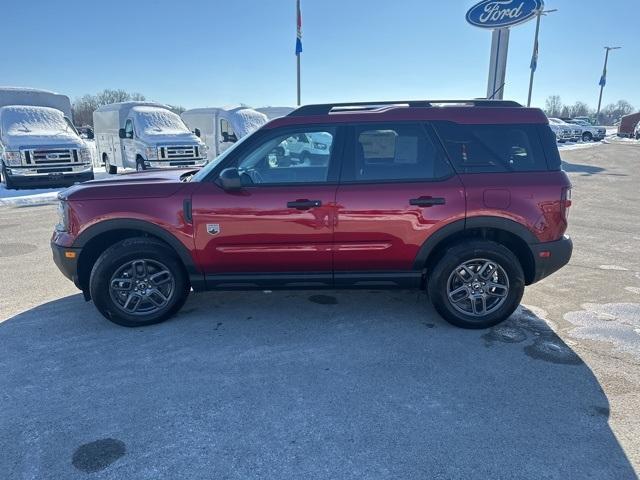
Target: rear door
{"type": "Point", "coordinates": [278, 229]}
{"type": "Point", "coordinates": [396, 189]}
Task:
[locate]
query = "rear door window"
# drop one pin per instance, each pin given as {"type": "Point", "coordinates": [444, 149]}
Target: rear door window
{"type": "Point", "coordinates": [493, 148]}
{"type": "Point", "coordinates": [394, 152]}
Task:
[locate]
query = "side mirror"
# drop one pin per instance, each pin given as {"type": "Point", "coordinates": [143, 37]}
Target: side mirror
{"type": "Point", "coordinates": [122, 133]}
{"type": "Point", "coordinates": [229, 180]}
{"type": "Point", "coordinates": [90, 134]}
{"type": "Point", "coordinates": [196, 132]}
{"type": "Point", "coordinates": [225, 137]}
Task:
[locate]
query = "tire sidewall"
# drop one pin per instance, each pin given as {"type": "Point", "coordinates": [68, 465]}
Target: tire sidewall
{"type": "Point", "coordinates": [452, 258]}
{"type": "Point", "coordinates": [121, 253]}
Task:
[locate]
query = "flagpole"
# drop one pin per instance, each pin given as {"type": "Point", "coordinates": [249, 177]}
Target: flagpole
{"type": "Point", "coordinates": [298, 49]}
{"type": "Point", "coordinates": [298, 69]}
{"type": "Point", "coordinates": [534, 55]}
{"type": "Point", "coordinates": [603, 78]}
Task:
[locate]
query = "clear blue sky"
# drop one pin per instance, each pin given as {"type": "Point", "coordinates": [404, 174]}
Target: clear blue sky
{"type": "Point", "coordinates": [215, 52]}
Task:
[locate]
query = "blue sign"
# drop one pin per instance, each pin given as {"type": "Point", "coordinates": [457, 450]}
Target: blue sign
{"type": "Point", "coordinates": [503, 13]}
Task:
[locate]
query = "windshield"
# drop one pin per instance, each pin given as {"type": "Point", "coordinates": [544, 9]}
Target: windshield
{"type": "Point", "coordinates": [212, 164]}
{"type": "Point", "coordinates": [25, 120]}
{"type": "Point", "coordinates": [158, 121]}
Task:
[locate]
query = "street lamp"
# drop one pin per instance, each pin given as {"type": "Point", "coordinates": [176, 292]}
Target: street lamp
{"type": "Point", "coordinates": [603, 78]}
{"type": "Point", "coordinates": [534, 56]}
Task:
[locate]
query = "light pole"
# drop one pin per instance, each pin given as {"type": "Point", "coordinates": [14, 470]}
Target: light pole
{"type": "Point", "coordinates": [534, 55]}
{"type": "Point", "coordinates": [603, 78]}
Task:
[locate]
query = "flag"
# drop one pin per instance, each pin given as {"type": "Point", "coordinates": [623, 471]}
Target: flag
{"type": "Point", "coordinates": [534, 58]}
{"type": "Point", "coordinates": [603, 78]}
{"type": "Point", "coordinates": [299, 33]}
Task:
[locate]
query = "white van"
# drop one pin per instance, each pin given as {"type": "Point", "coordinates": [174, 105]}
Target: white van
{"type": "Point", "coordinates": [144, 135]}
{"type": "Point", "coordinates": [38, 143]}
{"type": "Point", "coordinates": [222, 127]}
{"type": "Point", "coordinates": [275, 112]}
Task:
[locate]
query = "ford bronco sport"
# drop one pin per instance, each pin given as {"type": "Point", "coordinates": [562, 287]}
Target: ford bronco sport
{"type": "Point", "coordinates": [465, 199]}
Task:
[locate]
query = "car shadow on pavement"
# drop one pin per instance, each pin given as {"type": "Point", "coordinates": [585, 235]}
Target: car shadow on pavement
{"type": "Point", "coordinates": [298, 385]}
{"type": "Point", "coordinates": [583, 169]}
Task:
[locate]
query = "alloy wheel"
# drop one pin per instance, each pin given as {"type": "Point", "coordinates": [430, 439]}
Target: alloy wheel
{"type": "Point", "coordinates": [142, 287]}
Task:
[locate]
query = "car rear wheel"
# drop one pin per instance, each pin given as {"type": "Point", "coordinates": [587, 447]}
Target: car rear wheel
{"type": "Point", "coordinates": [587, 137]}
{"type": "Point", "coordinates": [476, 284]}
{"type": "Point", "coordinates": [137, 282]}
{"type": "Point", "coordinates": [140, 165]}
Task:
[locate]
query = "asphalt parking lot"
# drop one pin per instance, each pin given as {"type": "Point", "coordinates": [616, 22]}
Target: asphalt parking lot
{"type": "Point", "coordinates": [320, 385]}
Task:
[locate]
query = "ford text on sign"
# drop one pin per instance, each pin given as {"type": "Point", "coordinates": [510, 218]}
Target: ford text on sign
{"type": "Point", "coordinates": [503, 13]}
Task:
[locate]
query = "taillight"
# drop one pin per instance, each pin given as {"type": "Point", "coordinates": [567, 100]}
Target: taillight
{"type": "Point", "coordinates": [565, 202]}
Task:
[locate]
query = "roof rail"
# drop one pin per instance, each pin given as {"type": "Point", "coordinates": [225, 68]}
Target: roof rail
{"type": "Point", "coordinates": [326, 108]}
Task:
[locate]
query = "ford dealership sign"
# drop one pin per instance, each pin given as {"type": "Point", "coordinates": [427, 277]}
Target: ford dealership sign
{"type": "Point", "coordinates": [503, 13]}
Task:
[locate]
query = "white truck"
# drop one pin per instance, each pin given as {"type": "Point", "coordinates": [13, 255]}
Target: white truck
{"type": "Point", "coordinates": [589, 132]}
{"type": "Point", "coordinates": [144, 135]}
{"type": "Point", "coordinates": [565, 132]}
{"type": "Point", "coordinates": [38, 143]}
{"type": "Point", "coordinates": [222, 127]}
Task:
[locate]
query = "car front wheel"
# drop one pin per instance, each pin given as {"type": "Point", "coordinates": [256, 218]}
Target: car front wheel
{"type": "Point", "coordinates": [137, 282]}
{"type": "Point", "coordinates": [587, 137]}
{"type": "Point", "coordinates": [476, 284]}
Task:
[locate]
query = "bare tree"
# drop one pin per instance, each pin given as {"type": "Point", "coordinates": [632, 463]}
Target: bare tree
{"type": "Point", "coordinates": [84, 106]}
{"type": "Point", "coordinates": [553, 106]}
{"type": "Point", "coordinates": [580, 109]}
{"type": "Point", "coordinates": [613, 112]}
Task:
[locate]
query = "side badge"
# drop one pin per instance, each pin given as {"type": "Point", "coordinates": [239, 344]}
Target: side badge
{"type": "Point", "coordinates": [213, 228]}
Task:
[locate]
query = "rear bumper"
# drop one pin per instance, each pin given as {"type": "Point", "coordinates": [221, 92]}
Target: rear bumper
{"type": "Point", "coordinates": [66, 259]}
{"type": "Point", "coordinates": [550, 257]}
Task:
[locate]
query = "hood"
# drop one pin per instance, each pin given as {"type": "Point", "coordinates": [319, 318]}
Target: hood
{"type": "Point", "coordinates": [153, 184]}
{"type": "Point", "coordinates": [162, 138]}
{"type": "Point", "coordinates": [41, 141]}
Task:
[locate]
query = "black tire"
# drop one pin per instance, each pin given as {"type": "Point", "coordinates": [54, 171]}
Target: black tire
{"type": "Point", "coordinates": [456, 255]}
{"type": "Point", "coordinates": [119, 255]}
{"type": "Point", "coordinates": [6, 179]}
{"type": "Point", "coordinates": [110, 169]}
{"type": "Point", "coordinates": [587, 137]}
{"type": "Point", "coordinates": [140, 167]}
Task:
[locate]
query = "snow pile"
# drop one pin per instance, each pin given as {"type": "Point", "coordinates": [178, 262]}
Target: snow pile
{"type": "Point", "coordinates": [152, 121]}
{"type": "Point", "coordinates": [246, 121]}
{"type": "Point", "coordinates": [40, 196]}
{"type": "Point", "coordinates": [21, 121]}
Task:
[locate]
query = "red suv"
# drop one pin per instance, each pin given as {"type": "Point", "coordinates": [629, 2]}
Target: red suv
{"type": "Point", "coordinates": [464, 198]}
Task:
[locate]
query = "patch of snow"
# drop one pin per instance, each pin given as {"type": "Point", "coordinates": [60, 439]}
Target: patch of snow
{"type": "Point", "coordinates": [577, 146]}
{"type": "Point", "coordinates": [616, 323]}
{"type": "Point", "coordinates": [40, 196]}
{"type": "Point", "coordinates": [612, 267]}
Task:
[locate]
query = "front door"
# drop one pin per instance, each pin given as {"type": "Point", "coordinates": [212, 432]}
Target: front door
{"type": "Point", "coordinates": [278, 229]}
{"type": "Point", "coordinates": [396, 189]}
{"type": "Point", "coordinates": [128, 146]}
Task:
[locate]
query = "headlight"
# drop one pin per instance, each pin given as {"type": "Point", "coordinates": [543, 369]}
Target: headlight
{"type": "Point", "coordinates": [203, 149]}
{"type": "Point", "coordinates": [151, 153]}
{"type": "Point", "coordinates": [85, 155]}
{"type": "Point", "coordinates": [319, 146]}
{"type": "Point", "coordinates": [12, 158]}
{"type": "Point", "coordinates": [63, 217]}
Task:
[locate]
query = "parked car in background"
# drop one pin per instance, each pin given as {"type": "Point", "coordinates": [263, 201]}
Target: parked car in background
{"type": "Point", "coordinates": [38, 143]}
{"type": "Point", "coordinates": [466, 199]}
{"type": "Point", "coordinates": [144, 135]}
{"type": "Point", "coordinates": [589, 132]}
{"type": "Point", "coordinates": [220, 128]}
{"type": "Point", "coordinates": [562, 130]}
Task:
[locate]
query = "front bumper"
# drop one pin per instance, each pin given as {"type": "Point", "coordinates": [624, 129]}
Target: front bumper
{"type": "Point", "coordinates": [549, 257]}
{"type": "Point", "coordinates": [66, 259]}
{"type": "Point", "coordinates": [194, 162]}
{"type": "Point", "coordinates": [27, 176]}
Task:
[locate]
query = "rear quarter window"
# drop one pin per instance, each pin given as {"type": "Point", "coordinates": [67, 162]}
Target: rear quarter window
{"type": "Point", "coordinates": [496, 148]}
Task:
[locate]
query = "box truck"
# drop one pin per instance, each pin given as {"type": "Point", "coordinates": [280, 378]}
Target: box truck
{"type": "Point", "coordinates": [144, 135]}
{"type": "Point", "coordinates": [38, 143]}
{"type": "Point", "coordinates": [222, 127]}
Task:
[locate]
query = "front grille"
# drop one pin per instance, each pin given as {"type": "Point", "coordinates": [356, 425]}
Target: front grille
{"type": "Point", "coordinates": [178, 152]}
{"type": "Point", "coordinates": [51, 156]}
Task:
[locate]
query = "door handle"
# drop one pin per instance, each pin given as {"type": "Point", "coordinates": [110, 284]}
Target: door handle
{"type": "Point", "coordinates": [427, 201]}
{"type": "Point", "coordinates": [304, 204]}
